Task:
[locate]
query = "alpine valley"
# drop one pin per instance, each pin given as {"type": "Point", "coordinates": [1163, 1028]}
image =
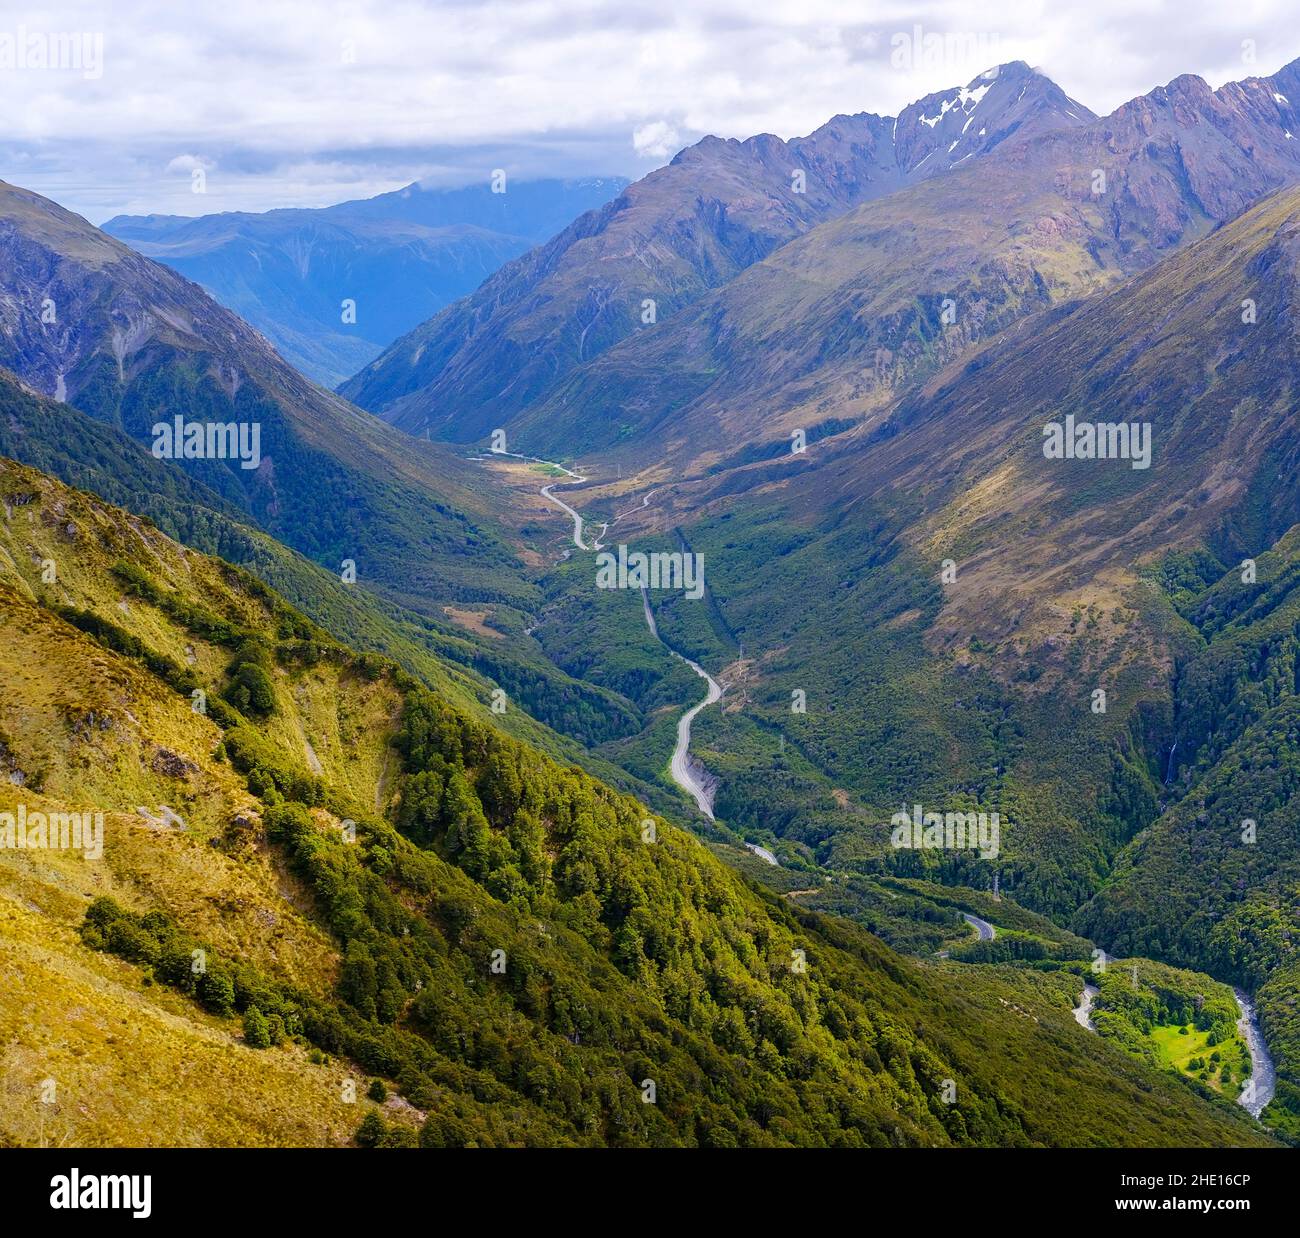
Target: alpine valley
{"type": "Point", "coordinates": [523, 735]}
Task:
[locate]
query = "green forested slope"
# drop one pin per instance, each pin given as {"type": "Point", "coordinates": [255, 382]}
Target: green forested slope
{"type": "Point", "coordinates": [625, 961]}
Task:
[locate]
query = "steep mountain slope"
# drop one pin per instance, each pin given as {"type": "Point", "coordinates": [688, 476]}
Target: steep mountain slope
{"type": "Point", "coordinates": [499, 940]}
{"type": "Point", "coordinates": [1214, 881]}
{"type": "Point", "coordinates": [716, 209]}
{"type": "Point", "coordinates": [827, 329]}
{"type": "Point", "coordinates": [399, 257]}
{"type": "Point", "coordinates": [469, 666]}
{"type": "Point", "coordinates": [87, 320]}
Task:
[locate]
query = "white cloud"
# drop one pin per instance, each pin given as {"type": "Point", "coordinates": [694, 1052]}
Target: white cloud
{"type": "Point", "coordinates": [282, 94]}
{"type": "Point", "coordinates": [189, 163]}
{"type": "Point", "coordinates": [657, 140]}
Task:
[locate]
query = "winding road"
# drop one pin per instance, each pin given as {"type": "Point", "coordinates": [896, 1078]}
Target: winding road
{"type": "Point", "coordinates": [985, 930]}
{"type": "Point", "coordinates": [686, 772]}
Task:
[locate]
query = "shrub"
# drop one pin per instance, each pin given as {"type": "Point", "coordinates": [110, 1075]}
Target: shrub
{"type": "Point", "coordinates": [257, 1035]}
{"type": "Point", "coordinates": [217, 992]}
{"type": "Point", "coordinates": [371, 1130]}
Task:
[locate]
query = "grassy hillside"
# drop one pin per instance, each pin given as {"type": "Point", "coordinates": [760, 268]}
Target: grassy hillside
{"type": "Point", "coordinates": [352, 853]}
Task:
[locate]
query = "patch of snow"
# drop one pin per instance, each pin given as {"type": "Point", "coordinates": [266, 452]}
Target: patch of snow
{"type": "Point", "coordinates": [1281, 98]}
{"type": "Point", "coordinates": [966, 99]}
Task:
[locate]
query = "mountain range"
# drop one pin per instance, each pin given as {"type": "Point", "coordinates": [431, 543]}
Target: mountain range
{"type": "Point", "coordinates": [664, 242]}
{"type": "Point", "coordinates": [399, 258]}
{"type": "Point", "coordinates": [843, 316]}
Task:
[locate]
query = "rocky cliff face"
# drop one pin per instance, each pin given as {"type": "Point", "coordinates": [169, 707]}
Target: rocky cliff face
{"type": "Point", "coordinates": [1185, 153]}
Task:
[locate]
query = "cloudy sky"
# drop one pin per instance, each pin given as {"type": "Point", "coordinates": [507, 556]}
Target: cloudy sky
{"type": "Point", "coordinates": [309, 102]}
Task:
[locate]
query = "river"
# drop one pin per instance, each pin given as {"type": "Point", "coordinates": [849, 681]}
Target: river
{"type": "Point", "coordinates": [1262, 1083]}
{"type": "Point", "coordinates": [1259, 1088]}
{"type": "Point", "coordinates": [1083, 1011]}
{"type": "Point", "coordinates": [686, 771]}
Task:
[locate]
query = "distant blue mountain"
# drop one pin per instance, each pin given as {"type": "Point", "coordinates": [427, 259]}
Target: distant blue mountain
{"type": "Point", "coordinates": [401, 257]}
